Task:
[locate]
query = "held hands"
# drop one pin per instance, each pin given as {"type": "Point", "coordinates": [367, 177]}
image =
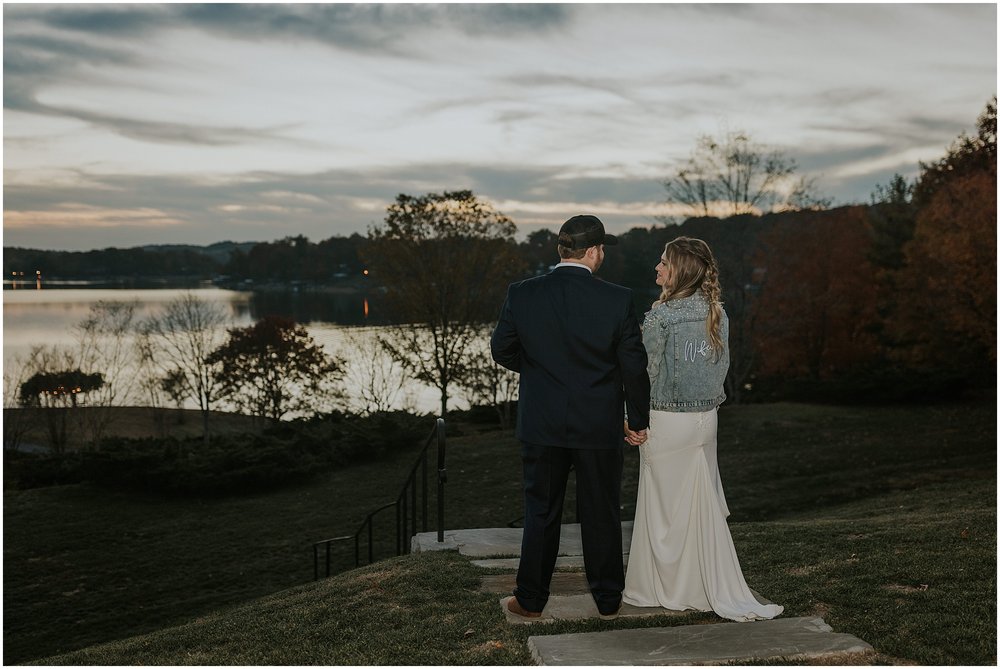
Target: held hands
{"type": "Point", "coordinates": [635, 437]}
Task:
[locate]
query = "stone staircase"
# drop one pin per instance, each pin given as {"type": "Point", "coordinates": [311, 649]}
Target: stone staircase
{"type": "Point", "coordinates": [807, 639]}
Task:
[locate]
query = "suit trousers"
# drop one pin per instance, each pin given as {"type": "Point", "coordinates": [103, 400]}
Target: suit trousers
{"type": "Point", "coordinates": [598, 493]}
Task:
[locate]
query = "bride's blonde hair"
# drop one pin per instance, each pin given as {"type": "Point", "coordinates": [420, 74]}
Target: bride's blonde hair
{"type": "Point", "coordinates": [693, 268]}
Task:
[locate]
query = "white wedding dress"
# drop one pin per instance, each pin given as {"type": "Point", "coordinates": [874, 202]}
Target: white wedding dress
{"type": "Point", "coordinates": [682, 555]}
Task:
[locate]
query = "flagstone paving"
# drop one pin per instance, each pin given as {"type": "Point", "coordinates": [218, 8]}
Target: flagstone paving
{"type": "Point", "coordinates": [499, 541]}
{"type": "Point", "coordinates": [785, 638]}
{"type": "Point", "coordinates": [570, 599]}
{"type": "Point", "coordinates": [796, 639]}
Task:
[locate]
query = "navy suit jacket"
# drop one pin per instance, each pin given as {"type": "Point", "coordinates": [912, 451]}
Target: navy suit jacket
{"type": "Point", "coordinates": [576, 343]}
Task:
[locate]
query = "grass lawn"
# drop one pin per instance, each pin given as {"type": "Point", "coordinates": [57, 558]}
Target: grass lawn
{"type": "Point", "coordinates": [898, 573]}
{"type": "Point", "coordinates": [844, 512]}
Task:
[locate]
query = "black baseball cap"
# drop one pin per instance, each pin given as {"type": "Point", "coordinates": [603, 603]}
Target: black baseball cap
{"type": "Point", "coordinates": [582, 232]}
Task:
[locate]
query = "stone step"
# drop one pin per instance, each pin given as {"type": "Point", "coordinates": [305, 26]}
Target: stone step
{"type": "Point", "coordinates": [796, 639]}
{"type": "Point", "coordinates": [570, 599]}
{"type": "Point", "coordinates": [582, 607]}
{"type": "Point", "coordinates": [563, 583]}
{"type": "Point", "coordinates": [718, 643]}
{"type": "Point", "coordinates": [564, 562]}
{"type": "Point", "coordinates": [504, 541]}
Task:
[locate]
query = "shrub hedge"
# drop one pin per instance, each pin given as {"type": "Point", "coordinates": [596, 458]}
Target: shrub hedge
{"type": "Point", "coordinates": [286, 453]}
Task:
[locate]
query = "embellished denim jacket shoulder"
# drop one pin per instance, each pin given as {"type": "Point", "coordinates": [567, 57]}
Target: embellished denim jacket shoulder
{"type": "Point", "coordinates": [685, 373]}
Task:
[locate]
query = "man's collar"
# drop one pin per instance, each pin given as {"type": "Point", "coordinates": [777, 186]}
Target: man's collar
{"type": "Point", "coordinates": [570, 263]}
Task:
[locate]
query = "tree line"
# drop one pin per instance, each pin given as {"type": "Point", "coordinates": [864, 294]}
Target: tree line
{"type": "Point", "coordinates": [890, 301]}
{"type": "Point", "coordinates": [887, 301]}
{"type": "Point", "coordinates": [893, 300]}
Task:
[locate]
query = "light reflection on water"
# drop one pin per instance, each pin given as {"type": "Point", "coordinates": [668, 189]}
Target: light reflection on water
{"type": "Point", "coordinates": [47, 317]}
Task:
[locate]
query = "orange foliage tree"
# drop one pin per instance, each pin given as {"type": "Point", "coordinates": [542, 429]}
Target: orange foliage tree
{"type": "Point", "coordinates": [947, 291]}
{"type": "Point", "coordinates": [817, 302]}
{"type": "Point", "coordinates": [944, 315]}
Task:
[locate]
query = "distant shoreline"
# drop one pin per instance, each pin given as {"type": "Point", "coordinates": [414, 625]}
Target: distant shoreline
{"type": "Point", "coordinates": [140, 283]}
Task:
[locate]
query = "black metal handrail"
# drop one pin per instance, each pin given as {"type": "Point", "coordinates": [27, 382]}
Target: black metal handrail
{"type": "Point", "coordinates": [405, 505]}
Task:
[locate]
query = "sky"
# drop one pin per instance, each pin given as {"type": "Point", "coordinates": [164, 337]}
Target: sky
{"type": "Point", "coordinates": [126, 125]}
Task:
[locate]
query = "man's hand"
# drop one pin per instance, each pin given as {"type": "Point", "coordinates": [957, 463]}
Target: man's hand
{"type": "Point", "coordinates": [635, 437]}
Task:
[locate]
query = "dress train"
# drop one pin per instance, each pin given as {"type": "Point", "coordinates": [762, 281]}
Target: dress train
{"type": "Point", "coordinates": [682, 555]}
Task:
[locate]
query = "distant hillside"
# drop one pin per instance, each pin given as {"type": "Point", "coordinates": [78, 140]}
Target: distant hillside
{"type": "Point", "coordinates": [219, 251]}
{"type": "Point", "coordinates": [163, 260]}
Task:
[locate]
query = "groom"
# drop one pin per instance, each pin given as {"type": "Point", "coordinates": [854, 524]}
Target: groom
{"type": "Point", "coordinates": [576, 343]}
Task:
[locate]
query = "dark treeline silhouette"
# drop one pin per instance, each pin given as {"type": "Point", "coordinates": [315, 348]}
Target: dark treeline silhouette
{"type": "Point", "coordinates": [181, 261]}
{"type": "Point", "coordinates": [290, 259]}
{"type": "Point", "coordinates": [297, 259]}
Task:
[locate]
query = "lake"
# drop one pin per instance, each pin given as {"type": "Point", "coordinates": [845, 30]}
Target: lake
{"type": "Point", "coordinates": [47, 316]}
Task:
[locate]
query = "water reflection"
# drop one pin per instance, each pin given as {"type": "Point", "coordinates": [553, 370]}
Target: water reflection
{"type": "Point", "coordinates": [315, 307]}
{"type": "Point", "coordinates": [48, 317]}
{"type": "Point", "coordinates": [32, 317]}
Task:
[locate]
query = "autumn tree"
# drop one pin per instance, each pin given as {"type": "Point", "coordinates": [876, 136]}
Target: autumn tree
{"type": "Point", "coordinates": [56, 392]}
{"type": "Point", "coordinates": [818, 305]}
{"type": "Point", "coordinates": [631, 262]}
{"type": "Point", "coordinates": [539, 250]}
{"type": "Point", "coordinates": [732, 174]}
{"type": "Point", "coordinates": [968, 155]}
{"type": "Point", "coordinates": [953, 261]}
{"type": "Point", "coordinates": [892, 214]}
{"type": "Point", "coordinates": [444, 261]}
{"type": "Point", "coordinates": [274, 367]}
{"type": "Point", "coordinates": [944, 316]}
{"type": "Point", "coordinates": [180, 339]}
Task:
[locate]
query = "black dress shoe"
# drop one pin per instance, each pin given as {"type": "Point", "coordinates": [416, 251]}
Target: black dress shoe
{"type": "Point", "coordinates": [610, 616]}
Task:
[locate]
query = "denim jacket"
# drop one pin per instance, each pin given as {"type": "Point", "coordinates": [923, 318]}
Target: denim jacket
{"type": "Point", "coordinates": [684, 372]}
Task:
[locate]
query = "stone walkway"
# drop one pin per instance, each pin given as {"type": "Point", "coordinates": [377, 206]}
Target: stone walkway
{"type": "Point", "coordinates": [795, 639]}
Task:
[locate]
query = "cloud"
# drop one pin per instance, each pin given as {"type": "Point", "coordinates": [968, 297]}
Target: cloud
{"type": "Point", "coordinates": [907, 129]}
{"type": "Point", "coordinates": [127, 20]}
{"type": "Point", "coordinates": [49, 46]}
{"type": "Point", "coordinates": [268, 205]}
{"type": "Point", "coordinates": [77, 215]}
{"type": "Point", "coordinates": [371, 27]}
{"type": "Point", "coordinates": [38, 55]}
{"type": "Point", "coordinates": [311, 117]}
{"type": "Point", "coordinates": [172, 133]}
{"type": "Point", "coordinates": [32, 62]}
{"type": "Point", "coordinates": [378, 27]}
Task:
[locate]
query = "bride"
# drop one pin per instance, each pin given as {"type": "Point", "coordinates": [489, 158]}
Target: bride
{"type": "Point", "coordinates": [682, 554]}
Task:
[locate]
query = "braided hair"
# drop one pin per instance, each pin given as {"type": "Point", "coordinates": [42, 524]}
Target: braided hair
{"type": "Point", "coordinates": [693, 267]}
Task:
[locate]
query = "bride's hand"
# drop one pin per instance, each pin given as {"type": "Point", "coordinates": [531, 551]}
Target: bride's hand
{"type": "Point", "coordinates": [634, 438]}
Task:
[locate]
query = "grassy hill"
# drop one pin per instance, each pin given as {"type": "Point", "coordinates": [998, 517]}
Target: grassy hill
{"type": "Point", "coordinates": [844, 512]}
{"type": "Point", "coordinates": [912, 572]}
